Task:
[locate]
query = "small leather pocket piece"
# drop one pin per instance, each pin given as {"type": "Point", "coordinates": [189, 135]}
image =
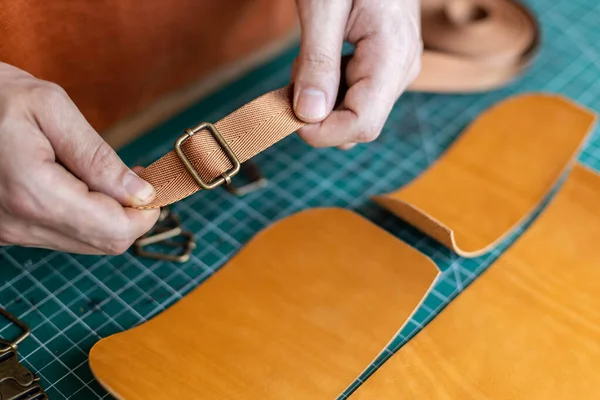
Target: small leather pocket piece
{"type": "Point", "coordinates": [298, 313]}
{"type": "Point", "coordinates": [496, 173]}
{"type": "Point", "coordinates": [528, 328]}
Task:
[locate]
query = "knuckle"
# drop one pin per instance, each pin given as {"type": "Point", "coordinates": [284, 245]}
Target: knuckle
{"type": "Point", "coordinates": [22, 204]}
{"type": "Point", "coordinates": [28, 92]}
{"type": "Point", "coordinates": [317, 59]}
{"type": "Point", "coordinates": [13, 235]}
{"type": "Point", "coordinates": [47, 92]}
{"type": "Point", "coordinates": [117, 246]}
{"type": "Point", "coordinates": [311, 136]}
{"type": "Point", "coordinates": [102, 158]}
{"type": "Point", "coordinates": [368, 133]}
{"type": "Point", "coordinates": [121, 237]}
{"type": "Point", "coordinates": [11, 106]}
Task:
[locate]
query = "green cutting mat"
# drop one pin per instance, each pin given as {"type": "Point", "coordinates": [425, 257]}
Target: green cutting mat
{"type": "Point", "coordinates": [72, 301]}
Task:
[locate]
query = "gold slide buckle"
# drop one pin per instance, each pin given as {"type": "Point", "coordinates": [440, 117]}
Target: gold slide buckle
{"type": "Point", "coordinates": [167, 228]}
{"type": "Point", "coordinates": [226, 176]}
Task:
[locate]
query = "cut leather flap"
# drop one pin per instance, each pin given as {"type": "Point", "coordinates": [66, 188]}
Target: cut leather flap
{"type": "Point", "coordinates": [495, 174]}
{"type": "Point", "coordinates": [528, 328]}
{"type": "Point", "coordinates": [298, 313]}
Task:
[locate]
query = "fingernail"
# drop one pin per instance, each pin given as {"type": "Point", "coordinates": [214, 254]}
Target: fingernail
{"type": "Point", "coordinates": [311, 104]}
{"type": "Point", "coordinates": [137, 188]}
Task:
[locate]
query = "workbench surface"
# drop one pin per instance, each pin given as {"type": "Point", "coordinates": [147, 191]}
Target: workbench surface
{"type": "Point", "coordinates": [71, 301]}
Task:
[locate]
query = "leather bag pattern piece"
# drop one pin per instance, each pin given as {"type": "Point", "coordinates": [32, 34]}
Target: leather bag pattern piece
{"type": "Point", "coordinates": [528, 328]}
{"type": "Point", "coordinates": [298, 313]}
{"type": "Point", "coordinates": [496, 173]}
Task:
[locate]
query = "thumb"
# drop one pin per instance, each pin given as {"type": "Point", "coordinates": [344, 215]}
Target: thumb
{"type": "Point", "coordinates": [80, 149]}
{"type": "Point", "coordinates": [317, 70]}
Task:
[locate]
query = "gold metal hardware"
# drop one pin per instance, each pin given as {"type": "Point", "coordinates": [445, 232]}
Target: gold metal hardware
{"type": "Point", "coordinates": [164, 213]}
{"type": "Point", "coordinates": [16, 381]}
{"type": "Point", "coordinates": [158, 237]}
{"type": "Point", "coordinates": [11, 390]}
{"type": "Point", "coordinates": [167, 227]}
{"type": "Point", "coordinates": [257, 180]}
{"type": "Point", "coordinates": [225, 176]}
{"type": "Point", "coordinates": [10, 368]}
{"type": "Point", "coordinates": [25, 331]}
{"type": "Point", "coordinates": [187, 248]}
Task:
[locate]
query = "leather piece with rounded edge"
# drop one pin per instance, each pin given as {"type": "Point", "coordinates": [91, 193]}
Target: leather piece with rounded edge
{"type": "Point", "coordinates": [298, 313]}
{"type": "Point", "coordinates": [528, 328]}
{"type": "Point", "coordinates": [495, 174]}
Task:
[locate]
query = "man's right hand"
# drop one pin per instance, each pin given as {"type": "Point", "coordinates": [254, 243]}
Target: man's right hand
{"type": "Point", "coordinates": [61, 186]}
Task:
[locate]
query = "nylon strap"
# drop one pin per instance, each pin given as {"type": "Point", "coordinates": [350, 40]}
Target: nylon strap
{"type": "Point", "coordinates": [249, 130]}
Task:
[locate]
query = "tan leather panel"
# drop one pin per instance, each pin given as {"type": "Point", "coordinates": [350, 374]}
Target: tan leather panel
{"type": "Point", "coordinates": [528, 328]}
{"type": "Point", "coordinates": [296, 314]}
{"type": "Point", "coordinates": [495, 174]}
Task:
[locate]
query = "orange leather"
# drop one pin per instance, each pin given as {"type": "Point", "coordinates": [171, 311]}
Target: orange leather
{"type": "Point", "coordinates": [116, 57]}
{"type": "Point", "coordinates": [495, 174]}
{"type": "Point", "coordinates": [298, 313]}
{"type": "Point", "coordinates": [528, 328]}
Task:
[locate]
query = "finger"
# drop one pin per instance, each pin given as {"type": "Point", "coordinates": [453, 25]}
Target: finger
{"type": "Point", "coordinates": [84, 153]}
{"type": "Point", "coordinates": [378, 72]}
{"type": "Point", "coordinates": [93, 218]}
{"type": "Point", "coordinates": [347, 146]}
{"type": "Point", "coordinates": [317, 71]}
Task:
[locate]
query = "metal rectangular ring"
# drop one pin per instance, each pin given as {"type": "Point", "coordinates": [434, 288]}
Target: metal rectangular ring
{"type": "Point", "coordinates": [225, 177]}
{"type": "Point", "coordinates": [25, 331]}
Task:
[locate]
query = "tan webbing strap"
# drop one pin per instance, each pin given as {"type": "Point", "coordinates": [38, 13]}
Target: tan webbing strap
{"type": "Point", "coordinates": [249, 130]}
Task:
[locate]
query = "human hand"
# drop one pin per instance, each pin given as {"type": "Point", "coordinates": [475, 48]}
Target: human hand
{"type": "Point", "coordinates": [61, 186]}
{"type": "Point", "coordinates": [387, 57]}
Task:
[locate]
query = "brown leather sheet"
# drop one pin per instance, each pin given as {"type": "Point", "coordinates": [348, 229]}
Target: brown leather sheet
{"type": "Point", "coordinates": [297, 314]}
{"type": "Point", "coordinates": [496, 173]}
{"type": "Point", "coordinates": [528, 328]}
